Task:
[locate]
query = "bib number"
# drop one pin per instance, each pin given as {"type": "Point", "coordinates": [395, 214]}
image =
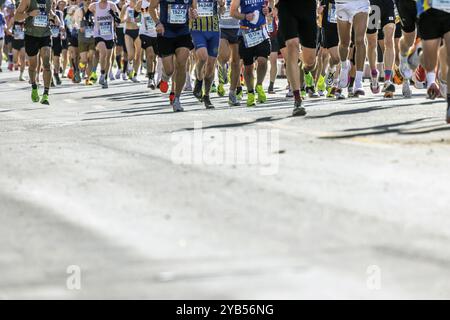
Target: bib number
{"type": "Point", "coordinates": [253, 37]}
{"type": "Point", "coordinates": [177, 14]}
{"type": "Point", "coordinates": [443, 5]}
{"type": "Point", "coordinates": [55, 31]}
{"type": "Point", "coordinates": [131, 14]}
{"type": "Point", "coordinates": [89, 32]}
{"type": "Point", "coordinates": [19, 34]}
{"type": "Point", "coordinates": [149, 23]}
{"type": "Point", "coordinates": [332, 13]}
{"type": "Point", "coordinates": [270, 27]}
{"type": "Point", "coordinates": [205, 9]}
{"type": "Point", "coordinates": [105, 28]}
{"type": "Point", "coordinates": [41, 21]}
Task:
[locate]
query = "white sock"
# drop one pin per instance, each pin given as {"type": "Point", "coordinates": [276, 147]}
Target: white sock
{"type": "Point", "coordinates": [431, 78]}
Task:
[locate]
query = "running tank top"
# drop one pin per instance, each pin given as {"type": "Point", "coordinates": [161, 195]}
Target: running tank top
{"type": "Point", "coordinates": [39, 26]}
{"type": "Point", "coordinates": [148, 27]}
{"type": "Point", "coordinates": [256, 7]}
{"type": "Point", "coordinates": [103, 22]}
{"type": "Point", "coordinates": [226, 20]}
{"type": "Point", "coordinates": [19, 30]}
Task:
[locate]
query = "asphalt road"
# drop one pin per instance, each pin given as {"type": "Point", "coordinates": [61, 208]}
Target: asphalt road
{"type": "Point", "coordinates": [351, 201]}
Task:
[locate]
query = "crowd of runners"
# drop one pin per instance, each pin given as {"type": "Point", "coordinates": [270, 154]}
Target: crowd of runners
{"type": "Point", "coordinates": [212, 46]}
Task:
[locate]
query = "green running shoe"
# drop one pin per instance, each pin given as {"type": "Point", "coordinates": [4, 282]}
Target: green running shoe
{"type": "Point", "coordinates": [221, 90]}
{"type": "Point", "coordinates": [93, 77]}
{"type": "Point", "coordinates": [251, 99]}
{"type": "Point", "coordinates": [261, 94]}
{"type": "Point", "coordinates": [44, 99]}
{"type": "Point", "coordinates": [309, 80]}
{"type": "Point", "coordinates": [34, 95]}
{"type": "Point", "coordinates": [213, 88]}
{"type": "Point", "coordinates": [321, 86]}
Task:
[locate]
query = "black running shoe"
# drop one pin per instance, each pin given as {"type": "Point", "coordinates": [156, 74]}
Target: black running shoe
{"type": "Point", "coordinates": [207, 102]}
{"type": "Point", "coordinates": [198, 90]}
{"type": "Point", "coordinates": [298, 109]}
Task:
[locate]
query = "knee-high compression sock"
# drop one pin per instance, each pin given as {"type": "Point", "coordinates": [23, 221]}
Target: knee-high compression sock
{"type": "Point", "coordinates": [119, 61]}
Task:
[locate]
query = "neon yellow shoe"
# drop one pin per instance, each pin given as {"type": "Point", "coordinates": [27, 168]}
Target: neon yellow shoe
{"type": "Point", "coordinates": [321, 84]}
{"type": "Point", "coordinates": [93, 77]}
{"type": "Point", "coordinates": [44, 99]}
{"type": "Point", "coordinates": [261, 94]}
{"type": "Point", "coordinates": [251, 100]}
{"type": "Point", "coordinates": [221, 90]}
{"type": "Point", "coordinates": [240, 94]}
{"type": "Point", "coordinates": [34, 95]}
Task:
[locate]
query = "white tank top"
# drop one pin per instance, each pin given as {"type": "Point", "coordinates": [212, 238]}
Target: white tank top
{"type": "Point", "coordinates": [104, 23]}
{"type": "Point", "coordinates": [147, 27]}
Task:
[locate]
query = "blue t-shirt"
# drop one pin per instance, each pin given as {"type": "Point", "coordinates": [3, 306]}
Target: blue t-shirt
{"type": "Point", "coordinates": [174, 15]}
{"type": "Point", "coordinates": [249, 6]}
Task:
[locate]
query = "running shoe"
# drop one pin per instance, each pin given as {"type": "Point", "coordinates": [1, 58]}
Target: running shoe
{"type": "Point", "coordinates": [171, 97]}
{"type": "Point", "coordinates": [374, 84]}
{"type": "Point", "coordinates": [88, 82]}
{"type": "Point", "coordinates": [176, 105]}
{"type": "Point", "coordinates": [118, 73]}
{"type": "Point", "coordinates": [358, 92]}
{"type": "Point", "coordinates": [309, 80]}
{"type": "Point", "coordinates": [10, 66]}
{"type": "Point", "coordinates": [389, 89]}
{"type": "Point", "coordinates": [188, 86]}
{"type": "Point", "coordinates": [102, 79]}
{"type": "Point", "coordinates": [251, 99]}
{"type": "Point", "coordinates": [135, 79]}
{"type": "Point", "coordinates": [93, 77]}
{"type": "Point", "coordinates": [271, 89]}
{"type": "Point", "coordinates": [221, 90]}
{"type": "Point", "coordinates": [443, 89]}
{"type": "Point", "coordinates": [239, 93]}
{"type": "Point", "coordinates": [164, 86]}
{"type": "Point", "coordinates": [207, 102]}
{"type": "Point", "coordinates": [57, 79]}
{"type": "Point", "coordinates": [405, 69]}
{"type": "Point", "coordinates": [70, 74]}
{"type": "Point", "coordinates": [44, 99]}
{"type": "Point", "coordinates": [321, 86]}
{"type": "Point", "coordinates": [398, 78]}
{"type": "Point", "coordinates": [330, 79]}
{"type": "Point", "coordinates": [406, 90]}
{"type": "Point", "coordinates": [151, 84]}
{"type": "Point", "coordinates": [198, 90]}
{"type": "Point", "coordinates": [21, 77]}
{"type": "Point", "coordinates": [34, 95]}
{"type": "Point", "coordinates": [343, 75]}
{"type": "Point", "coordinates": [420, 77]}
{"type": "Point", "coordinates": [262, 98]}
{"type": "Point", "coordinates": [233, 100]}
{"type": "Point", "coordinates": [111, 76]}
{"type": "Point", "coordinates": [298, 111]}
{"type": "Point", "coordinates": [105, 84]}
{"type": "Point", "coordinates": [289, 93]}
{"type": "Point", "coordinates": [124, 76]}
{"type": "Point", "coordinates": [433, 91]}
{"type": "Point", "coordinates": [213, 88]}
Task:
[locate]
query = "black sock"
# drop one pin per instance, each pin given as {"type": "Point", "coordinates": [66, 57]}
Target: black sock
{"type": "Point", "coordinates": [352, 81]}
{"type": "Point", "coordinates": [125, 66]}
{"type": "Point", "coordinates": [119, 61]}
{"type": "Point", "coordinates": [103, 72]}
{"type": "Point", "coordinates": [448, 99]}
{"type": "Point", "coordinates": [46, 91]}
{"type": "Point", "coordinates": [271, 84]}
{"type": "Point", "coordinates": [151, 75]}
{"type": "Point", "coordinates": [34, 86]}
{"type": "Point", "coordinates": [251, 91]}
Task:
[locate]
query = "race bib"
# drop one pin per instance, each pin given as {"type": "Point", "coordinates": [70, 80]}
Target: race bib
{"type": "Point", "coordinates": [253, 37]}
{"type": "Point", "coordinates": [41, 20]}
{"type": "Point", "coordinates": [270, 27]}
{"type": "Point", "coordinates": [55, 31]}
{"type": "Point", "coordinates": [332, 13]}
{"type": "Point", "coordinates": [131, 14]}
{"type": "Point", "coordinates": [443, 5]}
{"type": "Point", "coordinates": [105, 28]}
{"type": "Point", "coordinates": [19, 34]}
{"type": "Point", "coordinates": [89, 32]}
{"type": "Point", "coordinates": [178, 13]}
{"type": "Point", "coordinates": [149, 23]}
{"type": "Point", "coordinates": [205, 8]}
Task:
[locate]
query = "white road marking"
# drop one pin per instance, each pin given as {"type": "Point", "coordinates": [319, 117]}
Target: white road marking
{"type": "Point", "coordinates": [70, 101]}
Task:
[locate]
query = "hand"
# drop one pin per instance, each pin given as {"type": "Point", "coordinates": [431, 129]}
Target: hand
{"type": "Point", "coordinates": [34, 13]}
{"type": "Point", "coordinates": [249, 16]}
{"type": "Point", "coordinates": [193, 13]}
{"type": "Point", "coordinates": [160, 28]}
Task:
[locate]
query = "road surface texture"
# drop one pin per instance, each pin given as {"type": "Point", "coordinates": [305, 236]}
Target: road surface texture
{"type": "Point", "coordinates": [95, 195]}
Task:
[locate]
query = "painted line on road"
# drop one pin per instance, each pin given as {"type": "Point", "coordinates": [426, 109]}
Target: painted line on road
{"type": "Point", "coordinates": [98, 107]}
{"type": "Point", "coordinates": [70, 101]}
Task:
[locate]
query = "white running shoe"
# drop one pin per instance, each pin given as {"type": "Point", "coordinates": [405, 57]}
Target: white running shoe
{"type": "Point", "coordinates": [118, 73]}
{"type": "Point", "coordinates": [135, 79]}
{"type": "Point", "coordinates": [406, 90]}
{"type": "Point", "coordinates": [124, 76]}
{"type": "Point", "coordinates": [405, 70]}
{"type": "Point", "coordinates": [343, 75]}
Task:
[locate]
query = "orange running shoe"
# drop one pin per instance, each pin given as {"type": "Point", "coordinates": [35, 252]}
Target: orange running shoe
{"type": "Point", "coordinates": [398, 78]}
{"type": "Point", "coordinates": [70, 74]}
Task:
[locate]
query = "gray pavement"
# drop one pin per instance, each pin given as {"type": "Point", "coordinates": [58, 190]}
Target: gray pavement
{"type": "Point", "coordinates": [348, 202]}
